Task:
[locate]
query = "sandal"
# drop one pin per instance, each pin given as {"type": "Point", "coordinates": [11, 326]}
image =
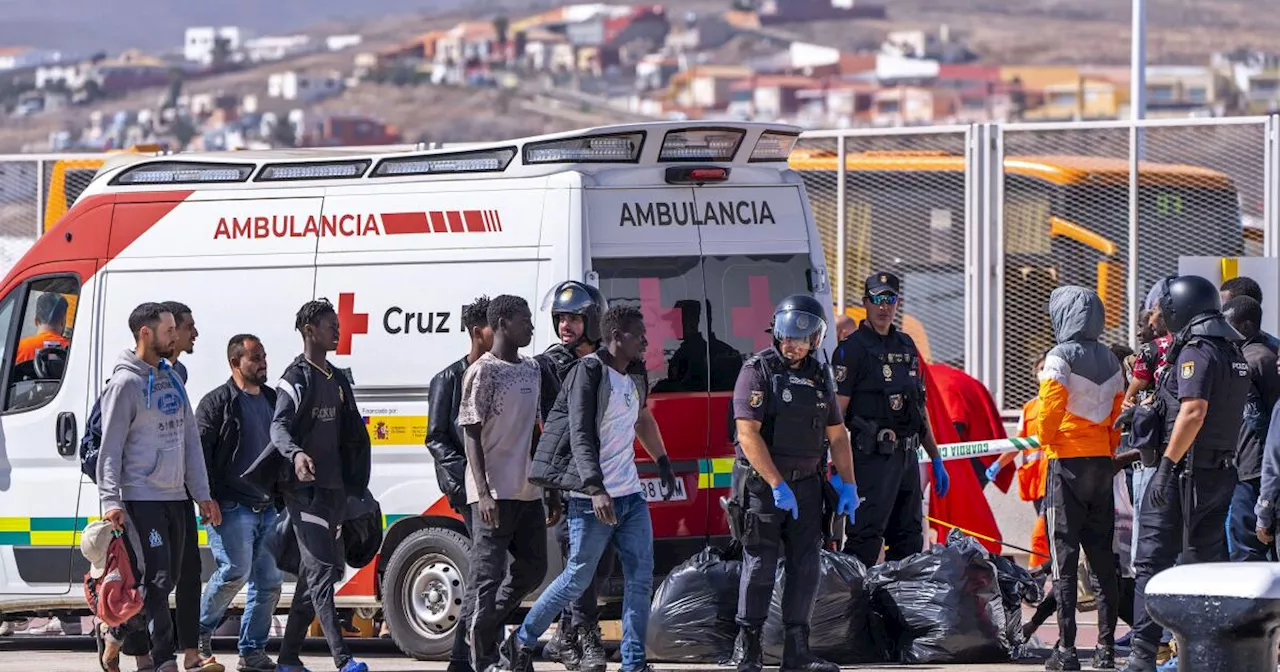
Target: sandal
{"type": "Point", "coordinates": [209, 664]}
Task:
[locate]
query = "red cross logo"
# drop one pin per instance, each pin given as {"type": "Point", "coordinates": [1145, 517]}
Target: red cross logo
{"type": "Point", "coordinates": [661, 323]}
{"type": "Point", "coordinates": [751, 321]}
{"type": "Point", "coordinates": [350, 322]}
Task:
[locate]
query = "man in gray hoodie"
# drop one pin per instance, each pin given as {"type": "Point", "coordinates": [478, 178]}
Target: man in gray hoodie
{"type": "Point", "coordinates": [149, 458]}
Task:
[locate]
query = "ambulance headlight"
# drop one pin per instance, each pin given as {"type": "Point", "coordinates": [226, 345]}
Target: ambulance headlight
{"type": "Point", "coordinates": [618, 148]}
{"type": "Point", "coordinates": [487, 161]}
{"type": "Point", "coordinates": [704, 144]}
{"type": "Point", "coordinates": [773, 146]}
{"type": "Point", "coordinates": [178, 172]}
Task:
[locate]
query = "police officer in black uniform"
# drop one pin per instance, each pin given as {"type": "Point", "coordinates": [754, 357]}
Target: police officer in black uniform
{"type": "Point", "coordinates": [880, 384]}
{"type": "Point", "coordinates": [785, 413]}
{"type": "Point", "coordinates": [577, 310]}
{"type": "Point", "coordinates": [1200, 401]}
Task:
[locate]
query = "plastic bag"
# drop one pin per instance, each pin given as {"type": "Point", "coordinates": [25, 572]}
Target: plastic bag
{"type": "Point", "coordinates": [1017, 587]}
{"type": "Point", "coordinates": [943, 606]}
{"type": "Point", "coordinates": [692, 618]}
{"type": "Point", "coordinates": [282, 543]}
{"type": "Point", "coordinates": [362, 530]}
{"type": "Point", "coordinates": [840, 625]}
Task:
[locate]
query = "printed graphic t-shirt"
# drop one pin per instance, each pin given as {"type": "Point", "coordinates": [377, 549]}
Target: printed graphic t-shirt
{"type": "Point", "coordinates": [618, 436]}
{"type": "Point", "coordinates": [502, 397]}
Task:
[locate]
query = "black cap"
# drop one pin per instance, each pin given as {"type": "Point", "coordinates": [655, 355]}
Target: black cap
{"type": "Point", "coordinates": [883, 283]}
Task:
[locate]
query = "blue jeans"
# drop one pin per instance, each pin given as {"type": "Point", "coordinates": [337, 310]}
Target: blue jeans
{"type": "Point", "coordinates": [239, 546]}
{"type": "Point", "coordinates": [632, 537]}
{"type": "Point", "coordinates": [1141, 477]}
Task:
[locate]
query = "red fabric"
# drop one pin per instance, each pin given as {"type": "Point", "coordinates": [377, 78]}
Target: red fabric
{"type": "Point", "coordinates": [1039, 543]}
{"type": "Point", "coordinates": [114, 598]}
{"type": "Point", "coordinates": [969, 403]}
{"type": "Point", "coordinates": [964, 506]}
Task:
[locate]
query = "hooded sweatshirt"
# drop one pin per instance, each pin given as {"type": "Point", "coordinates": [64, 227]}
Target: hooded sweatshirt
{"type": "Point", "coordinates": [150, 442]}
{"type": "Point", "coordinates": [1081, 385]}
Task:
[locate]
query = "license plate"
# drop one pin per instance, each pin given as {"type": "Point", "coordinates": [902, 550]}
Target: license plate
{"type": "Point", "coordinates": [651, 488]}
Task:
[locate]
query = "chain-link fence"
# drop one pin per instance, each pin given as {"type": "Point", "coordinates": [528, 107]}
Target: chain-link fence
{"type": "Point", "coordinates": [1044, 205]}
{"type": "Point", "coordinates": [35, 191]}
{"type": "Point", "coordinates": [905, 212]}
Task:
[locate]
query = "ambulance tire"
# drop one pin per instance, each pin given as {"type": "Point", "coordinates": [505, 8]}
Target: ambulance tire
{"type": "Point", "coordinates": [422, 591]}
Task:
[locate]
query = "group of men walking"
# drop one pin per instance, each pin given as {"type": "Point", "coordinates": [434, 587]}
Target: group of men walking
{"type": "Point", "coordinates": [243, 453]}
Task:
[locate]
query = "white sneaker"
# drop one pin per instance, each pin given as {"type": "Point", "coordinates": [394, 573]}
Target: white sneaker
{"type": "Point", "coordinates": [6, 629]}
{"type": "Point", "coordinates": [55, 626]}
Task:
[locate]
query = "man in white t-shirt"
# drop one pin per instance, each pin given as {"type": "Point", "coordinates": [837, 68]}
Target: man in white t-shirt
{"type": "Point", "coordinates": [588, 449]}
{"type": "Point", "coordinates": [498, 413]}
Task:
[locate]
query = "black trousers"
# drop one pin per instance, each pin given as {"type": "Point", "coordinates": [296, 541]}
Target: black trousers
{"type": "Point", "coordinates": [1242, 537]}
{"type": "Point", "coordinates": [1160, 538]}
{"type": "Point", "coordinates": [494, 593]}
{"type": "Point", "coordinates": [316, 514]}
{"type": "Point", "coordinates": [157, 532]}
{"type": "Point", "coordinates": [1049, 605]}
{"type": "Point", "coordinates": [186, 613]}
{"type": "Point", "coordinates": [461, 652]}
{"type": "Point", "coordinates": [770, 532]}
{"type": "Point", "coordinates": [1081, 512]}
{"type": "Point", "coordinates": [893, 510]}
{"type": "Point", "coordinates": [584, 612]}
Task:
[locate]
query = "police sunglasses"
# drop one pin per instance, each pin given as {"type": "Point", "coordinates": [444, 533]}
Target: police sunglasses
{"type": "Point", "coordinates": [883, 299]}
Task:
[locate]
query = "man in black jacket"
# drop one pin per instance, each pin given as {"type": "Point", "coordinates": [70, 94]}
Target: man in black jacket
{"type": "Point", "coordinates": [444, 441]}
{"type": "Point", "coordinates": [235, 426]}
{"type": "Point", "coordinates": [576, 311]}
{"type": "Point", "coordinates": [1245, 314]}
{"type": "Point", "coordinates": [319, 454]}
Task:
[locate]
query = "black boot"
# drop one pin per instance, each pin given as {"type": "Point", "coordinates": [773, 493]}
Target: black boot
{"type": "Point", "coordinates": [752, 659]}
{"type": "Point", "coordinates": [796, 656]}
{"type": "Point", "coordinates": [1063, 658]}
{"type": "Point", "coordinates": [594, 658]}
{"type": "Point", "coordinates": [569, 648]}
{"type": "Point", "coordinates": [1104, 657]}
{"type": "Point", "coordinates": [1142, 656]}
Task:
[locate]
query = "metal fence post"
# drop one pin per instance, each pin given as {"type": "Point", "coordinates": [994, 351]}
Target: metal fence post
{"type": "Point", "coordinates": [40, 199]}
{"type": "Point", "coordinates": [991, 283]}
{"type": "Point", "coordinates": [1131, 272]}
{"type": "Point", "coordinates": [1271, 189]}
{"type": "Point", "coordinates": [973, 280]}
{"type": "Point", "coordinates": [841, 219]}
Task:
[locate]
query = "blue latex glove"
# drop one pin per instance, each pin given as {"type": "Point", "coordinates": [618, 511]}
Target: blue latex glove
{"type": "Point", "coordinates": [848, 496]}
{"type": "Point", "coordinates": [785, 500]}
{"type": "Point", "coordinates": [941, 480]}
{"type": "Point", "coordinates": [992, 471]}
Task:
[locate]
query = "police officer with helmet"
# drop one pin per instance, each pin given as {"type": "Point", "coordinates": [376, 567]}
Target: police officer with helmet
{"type": "Point", "coordinates": [881, 391]}
{"type": "Point", "coordinates": [1200, 400]}
{"type": "Point", "coordinates": [785, 413]}
{"type": "Point", "coordinates": [577, 310]}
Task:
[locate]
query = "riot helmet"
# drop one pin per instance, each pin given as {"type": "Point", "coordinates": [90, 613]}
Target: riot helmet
{"type": "Point", "coordinates": [1185, 298]}
{"type": "Point", "coordinates": [799, 316]}
{"type": "Point", "coordinates": [576, 298]}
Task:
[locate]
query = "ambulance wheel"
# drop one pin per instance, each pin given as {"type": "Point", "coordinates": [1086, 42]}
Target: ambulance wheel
{"type": "Point", "coordinates": [424, 586]}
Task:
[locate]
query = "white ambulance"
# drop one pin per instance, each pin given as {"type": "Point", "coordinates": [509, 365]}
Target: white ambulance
{"type": "Point", "coordinates": [700, 224]}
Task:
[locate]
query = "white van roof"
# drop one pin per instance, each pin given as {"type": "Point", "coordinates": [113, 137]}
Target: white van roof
{"type": "Point", "coordinates": [586, 150]}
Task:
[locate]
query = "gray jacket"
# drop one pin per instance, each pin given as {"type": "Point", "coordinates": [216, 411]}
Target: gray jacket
{"type": "Point", "coordinates": [1269, 490]}
{"type": "Point", "coordinates": [150, 442]}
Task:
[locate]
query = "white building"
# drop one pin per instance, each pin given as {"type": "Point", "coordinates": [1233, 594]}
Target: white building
{"type": "Point", "coordinates": [304, 86]}
{"type": "Point", "coordinates": [340, 42]}
{"type": "Point", "coordinates": [262, 49]}
{"type": "Point", "coordinates": [200, 41]}
{"type": "Point", "coordinates": [73, 76]}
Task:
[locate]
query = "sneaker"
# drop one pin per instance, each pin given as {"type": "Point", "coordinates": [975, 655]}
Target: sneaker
{"type": "Point", "coordinates": [256, 661]}
{"type": "Point", "coordinates": [1170, 665]}
{"type": "Point", "coordinates": [1104, 657]}
{"type": "Point", "coordinates": [204, 645]}
{"type": "Point", "coordinates": [1063, 659]}
{"type": "Point", "coordinates": [168, 666]}
{"type": "Point", "coordinates": [353, 666]}
{"type": "Point", "coordinates": [594, 658]}
{"type": "Point", "coordinates": [281, 667]}
{"type": "Point", "coordinates": [6, 628]}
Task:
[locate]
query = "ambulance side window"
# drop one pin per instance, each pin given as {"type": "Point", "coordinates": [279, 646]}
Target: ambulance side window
{"type": "Point", "coordinates": [42, 342]}
{"type": "Point", "coordinates": [669, 292]}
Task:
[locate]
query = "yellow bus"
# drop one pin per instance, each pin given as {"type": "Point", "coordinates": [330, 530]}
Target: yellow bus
{"type": "Point", "coordinates": [69, 177]}
{"type": "Point", "coordinates": [1066, 221]}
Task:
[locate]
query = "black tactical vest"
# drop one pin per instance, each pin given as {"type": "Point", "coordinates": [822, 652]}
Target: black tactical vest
{"type": "Point", "coordinates": [795, 421]}
{"type": "Point", "coordinates": [889, 386]}
{"type": "Point", "coordinates": [1229, 385]}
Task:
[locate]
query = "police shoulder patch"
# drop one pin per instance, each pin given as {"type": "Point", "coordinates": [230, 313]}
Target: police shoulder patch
{"type": "Point", "coordinates": [842, 372]}
{"type": "Point", "coordinates": [1188, 370]}
{"type": "Point", "coordinates": [756, 399]}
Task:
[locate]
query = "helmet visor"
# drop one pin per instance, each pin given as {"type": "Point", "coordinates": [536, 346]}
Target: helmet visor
{"type": "Point", "coordinates": [799, 324]}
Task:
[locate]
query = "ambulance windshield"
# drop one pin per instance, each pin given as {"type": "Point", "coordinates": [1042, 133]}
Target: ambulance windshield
{"type": "Point", "coordinates": [705, 315]}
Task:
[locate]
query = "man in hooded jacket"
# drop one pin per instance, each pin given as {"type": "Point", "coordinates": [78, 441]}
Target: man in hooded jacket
{"type": "Point", "coordinates": [1081, 390]}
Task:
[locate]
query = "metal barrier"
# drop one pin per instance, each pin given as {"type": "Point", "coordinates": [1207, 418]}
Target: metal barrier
{"type": "Point", "coordinates": [983, 221]}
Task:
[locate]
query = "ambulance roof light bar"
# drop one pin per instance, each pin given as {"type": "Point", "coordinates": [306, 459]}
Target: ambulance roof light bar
{"type": "Point", "coordinates": [611, 148]}
{"type": "Point", "coordinates": [186, 172]}
{"type": "Point", "coordinates": [773, 146]}
{"type": "Point", "coordinates": [320, 170]}
{"type": "Point", "coordinates": [701, 144]}
{"type": "Point", "coordinates": [485, 161]}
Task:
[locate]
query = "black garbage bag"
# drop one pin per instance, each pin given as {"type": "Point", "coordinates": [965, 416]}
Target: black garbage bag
{"type": "Point", "coordinates": [362, 530]}
{"type": "Point", "coordinates": [943, 605]}
{"type": "Point", "coordinates": [1017, 587]}
{"type": "Point", "coordinates": [840, 626]}
{"type": "Point", "coordinates": [282, 543]}
{"type": "Point", "coordinates": [692, 618]}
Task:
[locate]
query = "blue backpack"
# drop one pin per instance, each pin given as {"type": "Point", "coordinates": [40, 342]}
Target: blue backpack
{"type": "Point", "coordinates": [91, 441]}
